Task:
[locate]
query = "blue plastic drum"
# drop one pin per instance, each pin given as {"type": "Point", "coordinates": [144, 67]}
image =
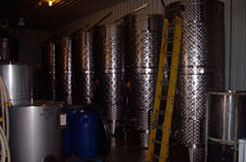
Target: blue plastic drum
{"type": "Point", "coordinates": [86, 129]}
{"type": "Point", "coordinates": [68, 133]}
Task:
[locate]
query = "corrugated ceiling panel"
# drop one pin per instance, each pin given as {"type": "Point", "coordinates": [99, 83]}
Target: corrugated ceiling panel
{"type": "Point", "coordinates": [44, 17]}
{"type": "Point", "coordinates": [154, 6]}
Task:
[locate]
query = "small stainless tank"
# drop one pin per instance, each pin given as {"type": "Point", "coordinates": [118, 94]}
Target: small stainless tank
{"type": "Point", "coordinates": [34, 133]}
{"type": "Point", "coordinates": [18, 83]}
{"type": "Point", "coordinates": [226, 124]}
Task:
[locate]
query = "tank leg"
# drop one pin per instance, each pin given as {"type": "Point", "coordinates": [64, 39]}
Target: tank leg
{"type": "Point", "coordinates": [112, 126]}
{"type": "Point", "coordinates": [144, 139]}
{"type": "Point", "coordinates": [196, 153]}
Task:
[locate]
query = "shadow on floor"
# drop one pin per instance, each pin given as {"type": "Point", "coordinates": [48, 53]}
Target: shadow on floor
{"type": "Point", "coordinates": [129, 151]}
{"type": "Point", "coordinates": [122, 151]}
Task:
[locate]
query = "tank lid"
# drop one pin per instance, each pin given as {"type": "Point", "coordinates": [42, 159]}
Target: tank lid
{"type": "Point", "coordinates": [8, 62]}
{"type": "Point", "coordinates": [47, 103]}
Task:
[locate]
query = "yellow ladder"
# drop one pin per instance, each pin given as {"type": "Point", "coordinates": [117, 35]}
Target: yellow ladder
{"type": "Point", "coordinates": [166, 126]}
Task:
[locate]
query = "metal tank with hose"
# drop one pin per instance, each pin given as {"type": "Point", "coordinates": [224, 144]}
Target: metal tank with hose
{"type": "Point", "coordinates": [142, 42]}
{"type": "Point", "coordinates": [32, 129]}
{"type": "Point", "coordinates": [15, 90]}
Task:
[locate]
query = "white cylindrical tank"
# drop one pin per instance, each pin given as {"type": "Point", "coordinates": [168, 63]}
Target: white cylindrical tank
{"type": "Point", "coordinates": [34, 133]}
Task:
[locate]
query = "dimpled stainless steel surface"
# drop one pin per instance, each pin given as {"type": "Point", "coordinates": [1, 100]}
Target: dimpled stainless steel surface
{"type": "Point", "coordinates": [142, 89]}
{"type": "Point", "coordinates": [83, 69]}
{"type": "Point", "coordinates": [18, 82]}
{"type": "Point", "coordinates": [109, 41]}
{"type": "Point", "coordinates": [49, 69]}
{"type": "Point", "coordinates": [192, 102]}
{"type": "Point", "coordinates": [109, 70]}
{"type": "Point", "coordinates": [112, 101]}
{"type": "Point", "coordinates": [196, 71]}
{"type": "Point", "coordinates": [143, 39]}
{"type": "Point", "coordinates": [64, 70]}
{"type": "Point", "coordinates": [226, 119]}
{"type": "Point", "coordinates": [34, 133]}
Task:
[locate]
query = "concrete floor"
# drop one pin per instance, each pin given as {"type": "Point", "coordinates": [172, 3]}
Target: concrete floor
{"type": "Point", "coordinates": [122, 151]}
{"type": "Point", "coordinates": [129, 151]}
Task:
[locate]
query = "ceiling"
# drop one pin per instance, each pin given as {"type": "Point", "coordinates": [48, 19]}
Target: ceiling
{"type": "Point", "coordinates": [45, 17]}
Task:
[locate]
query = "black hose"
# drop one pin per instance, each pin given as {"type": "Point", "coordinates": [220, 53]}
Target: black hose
{"type": "Point", "coordinates": [104, 140]}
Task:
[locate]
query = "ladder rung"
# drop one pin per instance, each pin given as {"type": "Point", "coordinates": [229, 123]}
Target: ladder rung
{"type": "Point", "coordinates": [160, 127]}
{"type": "Point", "coordinates": [156, 156]}
{"type": "Point", "coordinates": [171, 25]}
{"type": "Point", "coordinates": [163, 83]}
{"type": "Point", "coordinates": [161, 112]}
{"type": "Point", "coordinates": [170, 41]}
{"type": "Point", "coordinates": [166, 68]}
{"type": "Point", "coordinates": [169, 54]}
{"type": "Point", "coordinates": [158, 142]}
{"type": "Point", "coordinates": [163, 97]}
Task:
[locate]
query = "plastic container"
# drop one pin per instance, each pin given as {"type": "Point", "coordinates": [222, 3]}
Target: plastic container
{"type": "Point", "coordinates": [86, 129]}
{"type": "Point", "coordinates": [68, 133]}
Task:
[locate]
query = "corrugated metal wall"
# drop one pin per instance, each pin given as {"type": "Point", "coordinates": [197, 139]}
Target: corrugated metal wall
{"type": "Point", "coordinates": [238, 45]}
{"type": "Point", "coordinates": [227, 40]}
{"type": "Point", "coordinates": [234, 66]}
{"type": "Point", "coordinates": [30, 46]}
